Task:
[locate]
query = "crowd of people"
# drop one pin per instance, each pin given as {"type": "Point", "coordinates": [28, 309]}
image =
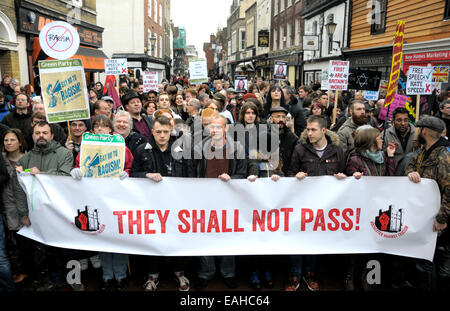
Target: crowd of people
{"type": "Point", "coordinates": [310, 141]}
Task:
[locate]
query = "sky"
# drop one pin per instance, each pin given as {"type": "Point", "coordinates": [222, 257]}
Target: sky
{"type": "Point", "coordinates": [200, 18]}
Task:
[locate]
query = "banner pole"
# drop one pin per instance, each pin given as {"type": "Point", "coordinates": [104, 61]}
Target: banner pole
{"type": "Point", "coordinates": [336, 97]}
{"type": "Point", "coordinates": [416, 130]}
{"type": "Point", "coordinates": [68, 131]}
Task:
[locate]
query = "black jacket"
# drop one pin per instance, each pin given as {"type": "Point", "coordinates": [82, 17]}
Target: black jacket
{"type": "Point", "coordinates": [150, 159]}
{"type": "Point", "coordinates": [305, 158]}
{"type": "Point", "coordinates": [133, 141]}
{"type": "Point", "coordinates": [296, 110]}
{"type": "Point", "coordinates": [288, 141]}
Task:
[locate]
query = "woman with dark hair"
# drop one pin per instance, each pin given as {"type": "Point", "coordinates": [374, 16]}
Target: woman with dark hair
{"type": "Point", "coordinates": [275, 98]}
{"type": "Point", "coordinates": [99, 88]}
{"type": "Point", "coordinates": [15, 208]}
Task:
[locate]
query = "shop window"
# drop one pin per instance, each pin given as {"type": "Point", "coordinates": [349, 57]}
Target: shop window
{"type": "Point", "coordinates": [378, 22]}
{"type": "Point", "coordinates": [447, 10]}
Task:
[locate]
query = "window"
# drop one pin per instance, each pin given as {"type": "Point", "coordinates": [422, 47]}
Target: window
{"type": "Point", "coordinates": [289, 35]}
{"type": "Point", "coordinates": [160, 15]}
{"type": "Point", "coordinates": [447, 10]}
{"type": "Point", "coordinates": [378, 22]}
{"type": "Point", "coordinates": [243, 44]}
{"type": "Point", "coordinates": [297, 32]}
{"type": "Point", "coordinates": [289, 3]}
{"type": "Point", "coordinates": [160, 44]}
{"type": "Point", "coordinates": [282, 6]}
{"type": "Point", "coordinates": [275, 40]}
{"type": "Point", "coordinates": [314, 28]}
{"type": "Point", "coordinates": [282, 37]}
{"type": "Point", "coordinates": [276, 7]}
{"type": "Point", "coordinates": [155, 8]}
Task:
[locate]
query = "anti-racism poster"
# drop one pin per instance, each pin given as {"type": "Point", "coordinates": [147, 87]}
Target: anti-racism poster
{"type": "Point", "coordinates": [137, 216]}
{"type": "Point", "coordinates": [240, 84]}
{"type": "Point", "coordinates": [102, 155]}
{"type": "Point", "coordinates": [198, 72]}
{"type": "Point", "coordinates": [338, 75]}
{"type": "Point", "coordinates": [280, 70]}
{"type": "Point", "coordinates": [150, 81]}
{"type": "Point", "coordinates": [64, 90]}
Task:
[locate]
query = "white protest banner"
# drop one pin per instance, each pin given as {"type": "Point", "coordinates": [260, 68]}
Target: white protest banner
{"type": "Point", "coordinates": [198, 72]}
{"type": "Point", "coordinates": [150, 81]}
{"type": "Point", "coordinates": [177, 217]}
{"type": "Point", "coordinates": [419, 80]}
{"type": "Point", "coordinates": [116, 66]}
{"type": "Point", "coordinates": [64, 90]}
{"type": "Point", "coordinates": [101, 155]}
{"type": "Point", "coordinates": [338, 75]}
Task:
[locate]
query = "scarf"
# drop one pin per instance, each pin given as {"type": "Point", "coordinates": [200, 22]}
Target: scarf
{"type": "Point", "coordinates": [376, 157]}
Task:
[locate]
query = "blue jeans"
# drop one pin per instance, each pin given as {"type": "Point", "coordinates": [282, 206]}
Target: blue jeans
{"type": "Point", "coordinates": [297, 261]}
{"type": "Point", "coordinates": [114, 266]}
{"type": "Point", "coordinates": [6, 278]}
{"type": "Point", "coordinates": [208, 267]}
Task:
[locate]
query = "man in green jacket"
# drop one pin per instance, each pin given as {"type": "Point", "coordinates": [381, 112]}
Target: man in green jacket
{"type": "Point", "coordinates": [358, 117]}
{"type": "Point", "coordinates": [49, 157]}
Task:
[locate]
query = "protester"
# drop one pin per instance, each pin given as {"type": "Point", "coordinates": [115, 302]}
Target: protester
{"type": "Point", "coordinates": [357, 118]}
{"type": "Point", "coordinates": [226, 161]}
{"type": "Point", "coordinates": [20, 118]}
{"type": "Point", "coordinates": [155, 161]}
{"type": "Point", "coordinates": [444, 109]}
{"type": "Point", "coordinates": [48, 157]}
{"type": "Point", "coordinates": [433, 162]}
{"type": "Point", "coordinates": [114, 265]}
{"type": "Point", "coordinates": [15, 208]}
{"type": "Point", "coordinates": [6, 278]}
{"type": "Point", "coordinates": [122, 125]}
{"type": "Point", "coordinates": [401, 134]}
{"type": "Point", "coordinates": [318, 154]}
{"type": "Point", "coordinates": [141, 122]}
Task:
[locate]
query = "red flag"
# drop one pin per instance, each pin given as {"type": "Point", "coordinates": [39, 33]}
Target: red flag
{"type": "Point", "coordinates": [111, 90]}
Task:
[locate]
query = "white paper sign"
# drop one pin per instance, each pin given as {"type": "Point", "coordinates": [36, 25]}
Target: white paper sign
{"type": "Point", "coordinates": [419, 80]}
{"type": "Point", "coordinates": [338, 75]}
{"type": "Point", "coordinates": [59, 40]}
{"type": "Point", "coordinates": [370, 95]}
{"type": "Point", "coordinates": [116, 66]}
{"type": "Point", "coordinates": [150, 81]}
{"type": "Point", "coordinates": [198, 71]}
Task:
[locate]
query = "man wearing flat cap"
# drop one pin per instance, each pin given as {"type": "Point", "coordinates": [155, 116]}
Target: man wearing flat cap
{"type": "Point", "coordinates": [288, 140]}
{"type": "Point", "coordinates": [433, 162]}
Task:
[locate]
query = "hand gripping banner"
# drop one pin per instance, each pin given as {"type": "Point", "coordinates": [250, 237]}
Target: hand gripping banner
{"type": "Point", "coordinates": [199, 217]}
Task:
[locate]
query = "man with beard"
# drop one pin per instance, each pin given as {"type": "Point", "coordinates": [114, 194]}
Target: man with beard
{"type": "Point", "coordinates": [401, 134]}
{"type": "Point", "coordinates": [49, 157]}
{"type": "Point", "coordinates": [288, 140]}
{"type": "Point", "coordinates": [357, 118]}
{"type": "Point", "coordinates": [433, 162]}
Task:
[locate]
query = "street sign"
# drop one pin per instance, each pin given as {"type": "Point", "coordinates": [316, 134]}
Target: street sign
{"type": "Point", "coordinates": [59, 40]}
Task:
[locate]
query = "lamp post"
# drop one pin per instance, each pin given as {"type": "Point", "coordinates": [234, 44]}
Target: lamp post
{"type": "Point", "coordinates": [153, 43]}
{"type": "Point", "coordinates": [331, 27]}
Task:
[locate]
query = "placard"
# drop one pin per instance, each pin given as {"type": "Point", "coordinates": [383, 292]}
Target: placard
{"type": "Point", "coordinates": [59, 40]}
{"type": "Point", "coordinates": [280, 70]}
{"type": "Point", "coordinates": [64, 90]}
{"type": "Point", "coordinates": [102, 155]}
{"type": "Point", "coordinates": [150, 81]}
{"type": "Point", "coordinates": [198, 71]}
{"type": "Point", "coordinates": [418, 81]}
{"type": "Point", "coordinates": [116, 66]}
{"type": "Point", "coordinates": [338, 75]}
{"type": "Point", "coordinates": [241, 83]}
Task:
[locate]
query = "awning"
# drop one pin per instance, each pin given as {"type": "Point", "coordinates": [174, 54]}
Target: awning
{"type": "Point", "coordinates": [92, 58]}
